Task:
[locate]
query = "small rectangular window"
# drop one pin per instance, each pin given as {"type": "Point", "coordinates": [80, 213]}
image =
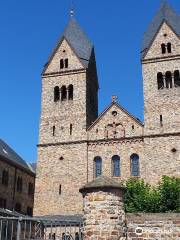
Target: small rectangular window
{"type": "Point", "coordinates": [161, 120]}
{"type": "Point", "coordinates": [60, 189]}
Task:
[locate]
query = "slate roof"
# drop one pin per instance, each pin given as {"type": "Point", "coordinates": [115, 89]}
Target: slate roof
{"type": "Point", "coordinates": [8, 153]}
{"type": "Point", "coordinates": [166, 13]}
{"type": "Point", "coordinates": [102, 182]}
{"type": "Point", "coordinates": [77, 218]}
{"type": "Point", "coordinates": [78, 40]}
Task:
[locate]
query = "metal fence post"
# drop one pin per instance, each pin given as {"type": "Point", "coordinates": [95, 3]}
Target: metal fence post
{"type": "Point", "coordinates": [19, 229]}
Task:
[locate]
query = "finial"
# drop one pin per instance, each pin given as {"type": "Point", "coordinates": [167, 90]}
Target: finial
{"type": "Point", "coordinates": [114, 98]}
{"type": "Point", "coordinates": [72, 9]}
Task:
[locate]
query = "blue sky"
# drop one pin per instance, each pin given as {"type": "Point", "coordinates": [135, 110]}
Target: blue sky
{"type": "Point", "coordinates": [30, 30]}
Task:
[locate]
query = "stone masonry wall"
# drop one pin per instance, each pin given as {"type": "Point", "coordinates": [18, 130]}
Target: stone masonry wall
{"type": "Point", "coordinates": [106, 150]}
{"type": "Point", "coordinates": [65, 167]}
{"type": "Point", "coordinates": [104, 216]}
{"type": "Point", "coordinates": [164, 101]}
{"type": "Point", "coordinates": [153, 226]}
{"type": "Point", "coordinates": [7, 192]}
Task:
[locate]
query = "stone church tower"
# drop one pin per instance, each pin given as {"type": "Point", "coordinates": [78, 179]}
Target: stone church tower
{"type": "Point", "coordinates": [161, 62]}
{"type": "Point", "coordinates": [69, 106]}
{"type": "Point", "coordinates": [76, 145]}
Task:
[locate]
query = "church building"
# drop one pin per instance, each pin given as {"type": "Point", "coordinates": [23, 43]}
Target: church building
{"type": "Point", "coordinates": [76, 145]}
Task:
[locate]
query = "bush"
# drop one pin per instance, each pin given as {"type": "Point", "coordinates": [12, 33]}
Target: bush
{"type": "Point", "coordinates": [141, 197]}
{"type": "Point", "coordinates": [169, 190]}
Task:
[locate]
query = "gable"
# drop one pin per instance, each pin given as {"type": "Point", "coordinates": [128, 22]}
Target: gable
{"type": "Point", "coordinates": [115, 122]}
{"type": "Point", "coordinates": [165, 35]}
{"type": "Point", "coordinates": [165, 13]}
{"type": "Point", "coordinates": [63, 51]}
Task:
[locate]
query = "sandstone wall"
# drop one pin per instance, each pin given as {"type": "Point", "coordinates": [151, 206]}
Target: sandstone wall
{"type": "Point", "coordinates": [153, 226]}
{"type": "Point", "coordinates": [64, 165]}
{"type": "Point", "coordinates": [106, 150]}
{"type": "Point", "coordinates": [124, 125]}
{"type": "Point", "coordinates": [164, 101]}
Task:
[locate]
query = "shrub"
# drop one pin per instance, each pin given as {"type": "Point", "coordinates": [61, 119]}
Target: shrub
{"type": "Point", "coordinates": [169, 190]}
{"type": "Point", "coordinates": [141, 197]}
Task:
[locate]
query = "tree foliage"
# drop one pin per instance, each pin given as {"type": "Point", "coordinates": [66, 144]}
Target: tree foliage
{"type": "Point", "coordinates": [141, 197]}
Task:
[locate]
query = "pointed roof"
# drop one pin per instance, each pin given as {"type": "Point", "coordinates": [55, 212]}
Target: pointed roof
{"type": "Point", "coordinates": [167, 14]}
{"type": "Point", "coordinates": [102, 182]}
{"type": "Point", "coordinates": [78, 41]}
{"type": "Point", "coordinates": [6, 152]}
{"type": "Point", "coordinates": [121, 108]}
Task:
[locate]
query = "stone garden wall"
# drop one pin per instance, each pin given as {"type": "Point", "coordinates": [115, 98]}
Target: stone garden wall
{"type": "Point", "coordinates": [153, 226]}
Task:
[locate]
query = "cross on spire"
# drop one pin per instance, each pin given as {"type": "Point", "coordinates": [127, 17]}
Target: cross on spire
{"type": "Point", "coordinates": [72, 9]}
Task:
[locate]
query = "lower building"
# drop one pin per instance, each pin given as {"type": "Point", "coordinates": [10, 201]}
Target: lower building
{"type": "Point", "coordinates": [17, 180]}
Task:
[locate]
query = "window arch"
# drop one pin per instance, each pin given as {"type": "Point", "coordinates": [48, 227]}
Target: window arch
{"type": "Point", "coordinates": [134, 165]}
{"type": "Point", "coordinates": [66, 62]}
{"type": "Point", "coordinates": [63, 93]}
{"type": "Point", "coordinates": [70, 92]}
{"type": "Point", "coordinates": [163, 48]}
{"type": "Point", "coordinates": [116, 166]}
{"type": "Point", "coordinates": [61, 64]}
{"type": "Point", "coordinates": [176, 78]}
{"type": "Point", "coordinates": [169, 47]}
{"type": "Point", "coordinates": [97, 166]}
{"type": "Point", "coordinates": [160, 81]}
{"type": "Point", "coordinates": [56, 94]}
{"type": "Point", "coordinates": [168, 80]}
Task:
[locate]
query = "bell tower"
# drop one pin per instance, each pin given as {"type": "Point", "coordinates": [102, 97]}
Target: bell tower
{"type": "Point", "coordinates": [69, 105]}
{"type": "Point", "coordinates": [69, 88]}
{"type": "Point", "coordinates": [161, 73]}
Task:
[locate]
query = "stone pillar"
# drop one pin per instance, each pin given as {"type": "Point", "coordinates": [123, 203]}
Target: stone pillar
{"type": "Point", "coordinates": [104, 216]}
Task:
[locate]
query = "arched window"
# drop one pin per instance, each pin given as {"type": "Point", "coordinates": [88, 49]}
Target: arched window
{"type": "Point", "coordinates": [5, 178]}
{"type": "Point", "coordinates": [63, 93]}
{"type": "Point", "coordinates": [168, 80]}
{"type": "Point", "coordinates": [70, 91]}
{"type": "Point", "coordinates": [134, 165]}
{"type": "Point", "coordinates": [176, 78]}
{"type": "Point", "coordinates": [160, 81]}
{"type": "Point", "coordinates": [169, 47]}
{"type": "Point", "coordinates": [116, 166]}
{"type": "Point", "coordinates": [56, 94]}
{"type": "Point", "coordinates": [66, 63]}
{"type": "Point", "coordinates": [163, 48]}
{"type": "Point", "coordinates": [61, 64]}
{"type": "Point", "coordinates": [97, 166]}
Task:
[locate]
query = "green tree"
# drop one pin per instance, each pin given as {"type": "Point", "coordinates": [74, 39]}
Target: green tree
{"type": "Point", "coordinates": [169, 190]}
{"type": "Point", "coordinates": [140, 197]}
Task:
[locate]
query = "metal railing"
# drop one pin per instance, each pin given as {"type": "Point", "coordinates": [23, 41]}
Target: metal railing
{"type": "Point", "coordinates": [12, 228]}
